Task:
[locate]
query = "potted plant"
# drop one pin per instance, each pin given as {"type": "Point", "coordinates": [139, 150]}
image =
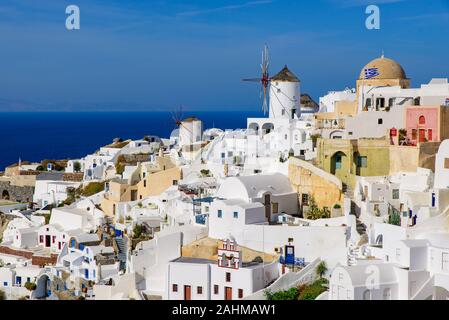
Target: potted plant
{"type": "Point", "coordinates": [337, 210]}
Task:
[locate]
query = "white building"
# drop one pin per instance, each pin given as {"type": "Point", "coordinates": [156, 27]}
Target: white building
{"type": "Point", "coordinates": [226, 279]}
{"type": "Point", "coordinates": [327, 102]}
{"type": "Point", "coordinates": [410, 269]}
{"type": "Point", "coordinates": [50, 188]}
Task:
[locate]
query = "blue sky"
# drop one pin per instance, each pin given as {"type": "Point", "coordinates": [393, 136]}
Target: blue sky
{"type": "Point", "coordinates": [156, 55]}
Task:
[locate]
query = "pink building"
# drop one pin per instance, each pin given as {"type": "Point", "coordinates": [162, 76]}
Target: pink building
{"type": "Point", "coordinates": [426, 123]}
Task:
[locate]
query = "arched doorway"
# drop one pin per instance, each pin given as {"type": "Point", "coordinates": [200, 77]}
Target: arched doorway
{"type": "Point", "coordinates": [5, 195]}
{"type": "Point", "coordinates": [338, 164]}
{"type": "Point", "coordinates": [267, 128]}
{"type": "Point", "coordinates": [254, 126]}
{"type": "Point", "coordinates": [43, 287]}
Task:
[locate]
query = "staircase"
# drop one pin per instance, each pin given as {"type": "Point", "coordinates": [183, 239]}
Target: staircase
{"type": "Point", "coordinates": [121, 244]}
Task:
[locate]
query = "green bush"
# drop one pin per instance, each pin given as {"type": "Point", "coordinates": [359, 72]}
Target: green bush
{"type": "Point", "coordinates": [337, 206]}
{"type": "Point", "coordinates": [137, 231]}
{"type": "Point", "coordinates": [312, 291]}
{"type": "Point", "coordinates": [92, 188]}
{"type": "Point", "coordinates": [290, 294]}
{"type": "Point", "coordinates": [30, 286]}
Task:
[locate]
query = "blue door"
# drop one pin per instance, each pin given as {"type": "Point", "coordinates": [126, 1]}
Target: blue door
{"type": "Point", "coordinates": [72, 243]}
{"type": "Point", "coordinates": [86, 273]}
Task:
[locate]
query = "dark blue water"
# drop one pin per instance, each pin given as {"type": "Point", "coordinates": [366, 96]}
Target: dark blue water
{"type": "Point", "coordinates": [38, 136]}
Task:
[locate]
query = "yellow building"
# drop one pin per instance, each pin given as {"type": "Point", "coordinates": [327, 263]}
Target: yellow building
{"type": "Point", "coordinates": [152, 181]}
{"type": "Point", "coordinates": [312, 182]}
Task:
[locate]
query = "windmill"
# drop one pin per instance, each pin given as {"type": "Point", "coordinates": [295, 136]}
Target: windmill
{"type": "Point", "coordinates": [265, 79]}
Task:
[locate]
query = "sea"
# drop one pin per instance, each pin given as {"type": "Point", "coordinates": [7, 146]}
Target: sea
{"type": "Point", "coordinates": [35, 136]}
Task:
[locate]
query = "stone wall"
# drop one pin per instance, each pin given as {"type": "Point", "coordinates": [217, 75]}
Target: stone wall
{"type": "Point", "coordinates": [16, 193]}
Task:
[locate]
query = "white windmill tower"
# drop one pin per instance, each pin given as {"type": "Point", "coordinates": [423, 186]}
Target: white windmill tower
{"type": "Point", "coordinates": [285, 95]}
{"type": "Point", "coordinates": [284, 88]}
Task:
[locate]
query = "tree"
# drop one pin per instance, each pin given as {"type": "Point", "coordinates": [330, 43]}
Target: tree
{"type": "Point", "coordinates": [321, 269]}
{"type": "Point", "coordinates": [77, 166]}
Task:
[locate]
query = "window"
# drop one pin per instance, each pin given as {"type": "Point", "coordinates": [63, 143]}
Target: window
{"type": "Point", "coordinates": [175, 182]}
{"type": "Point", "coordinates": [53, 239]}
{"type": "Point", "coordinates": [275, 208]}
{"type": "Point", "coordinates": [350, 133]}
{"type": "Point", "coordinates": [395, 194]}
{"type": "Point", "coordinates": [380, 103]}
{"type": "Point", "coordinates": [236, 215]}
{"type": "Point", "coordinates": [199, 290]}
{"type": "Point", "coordinates": [446, 163]}
{"type": "Point", "coordinates": [380, 121]}
{"type": "Point", "coordinates": [215, 289]}
{"type": "Point", "coordinates": [41, 239]}
{"type": "Point", "coordinates": [5, 284]}
{"type": "Point", "coordinates": [283, 111]}
{"type": "Point", "coordinates": [175, 288]}
{"type": "Point", "coordinates": [240, 293]}
{"type": "Point", "coordinates": [362, 162]}
{"type": "Point", "coordinates": [429, 135]}
{"type": "Point", "coordinates": [417, 101]}
{"type": "Point", "coordinates": [228, 277]}
{"type": "Point", "coordinates": [422, 120]}
{"type": "Point", "coordinates": [144, 183]}
{"type": "Point", "coordinates": [220, 214]}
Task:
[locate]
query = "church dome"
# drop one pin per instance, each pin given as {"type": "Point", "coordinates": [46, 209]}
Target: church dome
{"type": "Point", "coordinates": [382, 68]}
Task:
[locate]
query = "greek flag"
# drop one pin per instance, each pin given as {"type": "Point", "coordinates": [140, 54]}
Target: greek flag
{"type": "Point", "coordinates": [371, 73]}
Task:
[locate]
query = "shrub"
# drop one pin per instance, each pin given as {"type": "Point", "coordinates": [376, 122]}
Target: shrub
{"type": "Point", "coordinates": [321, 269]}
{"type": "Point", "coordinates": [205, 173]}
{"type": "Point", "coordinates": [290, 294]}
{"type": "Point", "coordinates": [120, 168]}
{"type": "Point", "coordinates": [258, 259]}
{"type": "Point", "coordinates": [337, 206]}
{"type": "Point", "coordinates": [92, 188]}
{"type": "Point", "coordinates": [312, 291]}
{"type": "Point", "coordinates": [30, 286]}
{"type": "Point", "coordinates": [137, 231]}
